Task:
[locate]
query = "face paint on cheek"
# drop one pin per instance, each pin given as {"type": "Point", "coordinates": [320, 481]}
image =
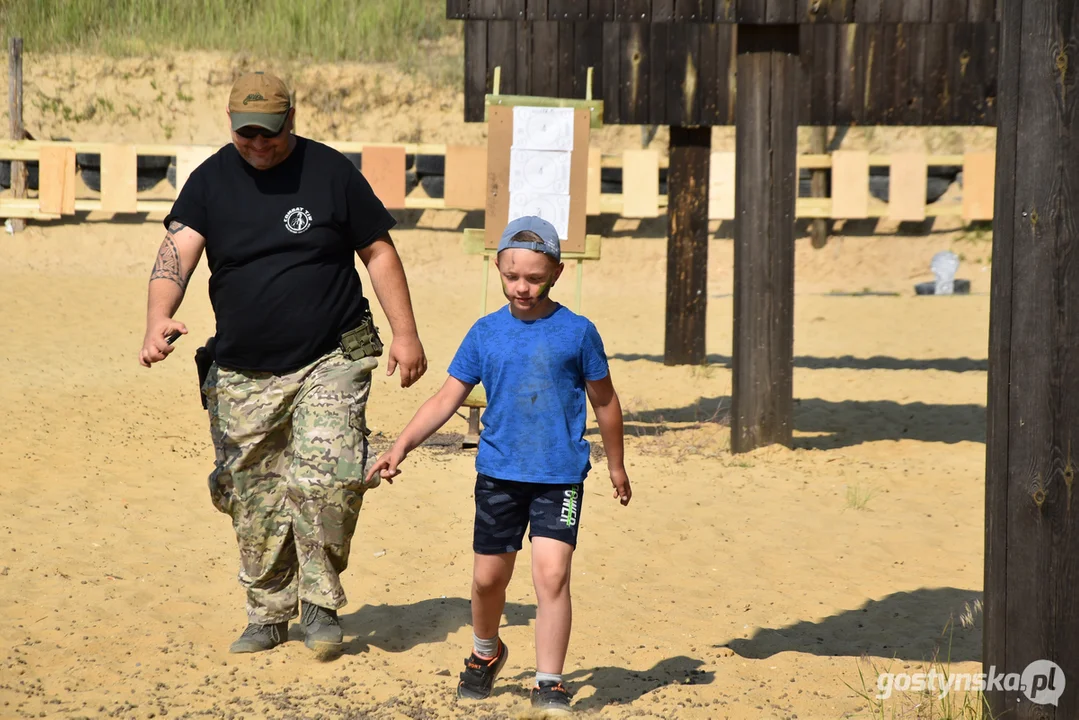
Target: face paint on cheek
{"type": "Point", "coordinates": [545, 288]}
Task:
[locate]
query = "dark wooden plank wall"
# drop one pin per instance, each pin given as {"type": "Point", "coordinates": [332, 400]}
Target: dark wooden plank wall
{"type": "Point", "coordinates": [682, 73]}
{"type": "Point", "coordinates": [1032, 537]}
{"type": "Point", "coordinates": [725, 11]}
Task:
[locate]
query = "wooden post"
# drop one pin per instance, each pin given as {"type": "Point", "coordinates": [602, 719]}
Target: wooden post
{"type": "Point", "coordinates": [766, 178]}
{"type": "Point", "coordinates": [687, 245]}
{"type": "Point", "coordinates": [18, 167]}
{"type": "Point", "coordinates": [1032, 440]}
{"type": "Point", "coordinates": [820, 227]}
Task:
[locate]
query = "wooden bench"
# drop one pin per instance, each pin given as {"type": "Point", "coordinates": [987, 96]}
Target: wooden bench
{"type": "Point", "coordinates": [476, 399]}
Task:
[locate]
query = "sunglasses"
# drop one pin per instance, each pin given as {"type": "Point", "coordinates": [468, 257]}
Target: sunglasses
{"type": "Point", "coordinates": [250, 132]}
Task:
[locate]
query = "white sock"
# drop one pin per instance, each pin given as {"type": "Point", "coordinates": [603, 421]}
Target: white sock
{"type": "Point", "coordinates": [485, 648]}
{"type": "Point", "coordinates": [547, 677]}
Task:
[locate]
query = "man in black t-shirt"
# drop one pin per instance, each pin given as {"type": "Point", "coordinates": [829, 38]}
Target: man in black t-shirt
{"type": "Point", "coordinates": [280, 218]}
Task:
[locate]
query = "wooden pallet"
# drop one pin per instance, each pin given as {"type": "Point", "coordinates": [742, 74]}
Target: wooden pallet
{"type": "Point", "coordinates": [58, 196]}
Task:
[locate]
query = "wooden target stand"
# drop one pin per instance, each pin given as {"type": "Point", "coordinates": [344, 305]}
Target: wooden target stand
{"type": "Point", "coordinates": [584, 199]}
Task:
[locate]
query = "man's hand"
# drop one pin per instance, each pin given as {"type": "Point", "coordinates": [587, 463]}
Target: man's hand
{"type": "Point", "coordinates": [176, 260]}
{"type": "Point", "coordinates": [386, 465]}
{"type": "Point", "coordinates": [620, 481]}
{"type": "Point", "coordinates": [407, 351]}
{"type": "Point", "coordinates": [155, 346]}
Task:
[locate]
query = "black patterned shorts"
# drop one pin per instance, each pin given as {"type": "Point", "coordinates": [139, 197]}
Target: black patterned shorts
{"type": "Point", "coordinates": [505, 508]}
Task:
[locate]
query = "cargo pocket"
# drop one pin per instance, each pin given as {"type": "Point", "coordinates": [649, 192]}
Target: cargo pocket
{"type": "Point", "coordinates": [220, 492]}
{"type": "Point", "coordinates": [220, 482]}
{"type": "Point", "coordinates": [354, 458]}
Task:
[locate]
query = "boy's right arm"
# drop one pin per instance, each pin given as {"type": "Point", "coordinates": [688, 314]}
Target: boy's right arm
{"type": "Point", "coordinates": [176, 260]}
{"type": "Point", "coordinates": [432, 415]}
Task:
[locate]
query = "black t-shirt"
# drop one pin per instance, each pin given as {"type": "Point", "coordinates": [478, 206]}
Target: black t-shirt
{"type": "Point", "coordinates": [281, 247]}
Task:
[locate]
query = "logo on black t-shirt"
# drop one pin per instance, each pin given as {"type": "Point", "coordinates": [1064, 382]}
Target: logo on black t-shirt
{"type": "Point", "coordinates": [297, 220]}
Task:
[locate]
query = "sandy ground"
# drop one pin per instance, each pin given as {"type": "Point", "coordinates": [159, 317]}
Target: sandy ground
{"type": "Point", "coordinates": [733, 586]}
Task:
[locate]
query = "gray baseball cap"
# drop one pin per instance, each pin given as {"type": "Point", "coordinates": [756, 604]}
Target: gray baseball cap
{"type": "Point", "coordinates": [543, 229]}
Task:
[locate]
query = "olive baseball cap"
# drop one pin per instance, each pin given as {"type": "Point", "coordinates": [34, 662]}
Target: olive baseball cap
{"type": "Point", "coordinates": [260, 99]}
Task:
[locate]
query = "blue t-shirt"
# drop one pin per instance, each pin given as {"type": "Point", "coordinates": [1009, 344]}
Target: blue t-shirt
{"type": "Point", "coordinates": [534, 374]}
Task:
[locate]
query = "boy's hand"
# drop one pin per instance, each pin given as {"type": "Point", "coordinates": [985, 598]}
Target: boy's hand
{"type": "Point", "coordinates": [386, 465]}
{"type": "Point", "coordinates": [620, 481]}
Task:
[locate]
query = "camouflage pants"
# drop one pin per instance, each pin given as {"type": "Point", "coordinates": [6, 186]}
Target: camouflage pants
{"type": "Point", "coordinates": [291, 457]}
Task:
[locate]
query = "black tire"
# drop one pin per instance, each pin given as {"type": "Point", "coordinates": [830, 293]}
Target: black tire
{"type": "Point", "coordinates": [411, 181]}
{"type": "Point", "coordinates": [805, 183]}
{"type": "Point", "coordinates": [948, 172]}
{"type": "Point", "coordinates": [142, 162]}
{"type": "Point", "coordinates": [31, 174]}
{"type": "Point", "coordinates": [611, 175]}
{"type": "Point", "coordinates": [959, 287]}
{"type": "Point", "coordinates": [146, 180]}
{"type": "Point", "coordinates": [880, 185]}
{"type": "Point", "coordinates": [154, 162]}
{"type": "Point", "coordinates": [936, 187]}
{"type": "Point", "coordinates": [430, 165]}
{"type": "Point", "coordinates": [88, 160]}
{"type": "Point", "coordinates": [433, 185]}
{"type": "Point", "coordinates": [170, 175]}
{"type": "Point", "coordinates": [610, 188]}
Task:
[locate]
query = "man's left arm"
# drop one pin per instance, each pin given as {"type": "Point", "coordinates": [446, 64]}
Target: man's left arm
{"type": "Point", "coordinates": [391, 287]}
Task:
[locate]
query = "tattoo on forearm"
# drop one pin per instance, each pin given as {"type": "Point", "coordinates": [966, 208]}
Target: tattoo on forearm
{"type": "Point", "coordinates": [168, 266]}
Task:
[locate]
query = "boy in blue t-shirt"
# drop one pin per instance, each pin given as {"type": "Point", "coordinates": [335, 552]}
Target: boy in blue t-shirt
{"type": "Point", "coordinates": [538, 362]}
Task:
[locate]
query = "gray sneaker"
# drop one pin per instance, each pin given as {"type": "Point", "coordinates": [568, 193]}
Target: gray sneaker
{"type": "Point", "coordinates": [257, 638]}
{"type": "Point", "coordinates": [322, 632]}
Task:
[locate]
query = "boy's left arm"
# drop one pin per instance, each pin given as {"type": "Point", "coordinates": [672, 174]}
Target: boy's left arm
{"type": "Point", "coordinates": [608, 410]}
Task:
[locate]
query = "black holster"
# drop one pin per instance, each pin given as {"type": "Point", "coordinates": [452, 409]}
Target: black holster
{"type": "Point", "coordinates": [204, 359]}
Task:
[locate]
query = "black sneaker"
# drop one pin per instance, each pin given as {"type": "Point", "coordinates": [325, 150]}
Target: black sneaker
{"type": "Point", "coordinates": [551, 697]}
{"type": "Point", "coordinates": [480, 673]}
{"type": "Point", "coordinates": [322, 632]}
{"type": "Point", "coordinates": [256, 638]}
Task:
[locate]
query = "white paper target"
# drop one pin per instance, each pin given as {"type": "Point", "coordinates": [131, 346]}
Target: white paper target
{"type": "Point", "coordinates": [540, 171]}
{"type": "Point", "coordinates": [552, 208]}
{"type": "Point", "coordinates": [543, 128]}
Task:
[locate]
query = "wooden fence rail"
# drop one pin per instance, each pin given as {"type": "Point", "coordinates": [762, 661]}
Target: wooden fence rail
{"type": "Point", "coordinates": [636, 173]}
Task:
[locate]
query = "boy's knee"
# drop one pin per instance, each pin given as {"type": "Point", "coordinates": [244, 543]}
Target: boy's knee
{"type": "Point", "coordinates": [486, 583]}
{"type": "Point", "coordinates": [551, 578]}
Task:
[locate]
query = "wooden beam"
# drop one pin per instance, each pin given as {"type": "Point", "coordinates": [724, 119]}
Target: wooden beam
{"type": "Point", "coordinates": [640, 183]}
{"type": "Point", "coordinates": [978, 186]}
{"type": "Point", "coordinates": [907, 187]}
{"type": "Point", "coordinates": [18, 133]}
{"type": "Point", "coordinates": [765, 189]}
{"type": "Point", "coordinates": [466, 177]}
{"type": "Point", "coordinates": [119, 179]}
{"type": "Point", "coordinates": [1032, 442]}
{"type": "Point", "coordinates": [475, 69]}
{"type": "Point", "coordinates": [687, 246]}
{"type": "Point", "coordinates": [819, 228]}
{"type": "Point", "coordinates": [56, 180]}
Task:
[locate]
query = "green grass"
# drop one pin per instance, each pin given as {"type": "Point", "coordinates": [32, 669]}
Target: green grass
{"type": "Point", "coordinates": [322, 30]}
{"type": "Point", "coordinates": [964, 704]}
{"type": "Point", "coordinates": [858, 497]}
